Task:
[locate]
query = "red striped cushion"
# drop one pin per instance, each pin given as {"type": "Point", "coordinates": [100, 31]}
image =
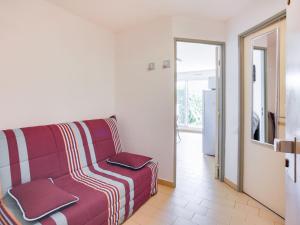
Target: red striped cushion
{"type": "Point", "coordinates": [39, 198]}
{"type": "Point", "coordinates": [132, 161]}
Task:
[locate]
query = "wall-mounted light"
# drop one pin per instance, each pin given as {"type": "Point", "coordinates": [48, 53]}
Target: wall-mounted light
{"type": "Point", "coordinates": [166, 64]}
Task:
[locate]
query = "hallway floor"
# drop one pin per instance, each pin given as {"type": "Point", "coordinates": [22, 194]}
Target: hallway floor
{"type": "Point", "coordinates": [199, 199]}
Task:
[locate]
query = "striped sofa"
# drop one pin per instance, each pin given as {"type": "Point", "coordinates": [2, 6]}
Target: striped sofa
{"type": "Point", "coordinates": [73, 155]}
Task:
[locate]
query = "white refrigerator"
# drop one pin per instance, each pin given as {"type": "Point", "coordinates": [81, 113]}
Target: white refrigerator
{"type": "Point", "coordinates": [209, 138]}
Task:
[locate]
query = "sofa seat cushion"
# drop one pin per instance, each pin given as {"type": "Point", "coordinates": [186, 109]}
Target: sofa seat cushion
{"type": "Point", "coordinates": [139, 176]}
{"type": "Point", "coordinates": [109, 193]}
{"type": "Point", "coordinates": [92, 204]}
{"type": "Point", "coordinates": [39, 198]}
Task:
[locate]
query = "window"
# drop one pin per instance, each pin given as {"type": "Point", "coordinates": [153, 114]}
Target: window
{"type": "Point", "coordinates": [181, 102]}
{"type": "Point", "coordinates": [190, 103]}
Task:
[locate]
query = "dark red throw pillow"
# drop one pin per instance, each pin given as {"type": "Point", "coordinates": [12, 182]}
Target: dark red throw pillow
{"type": "Point", "coordinates": [129, 160]}
{"type": "Point", "coordinates": [39, 198]}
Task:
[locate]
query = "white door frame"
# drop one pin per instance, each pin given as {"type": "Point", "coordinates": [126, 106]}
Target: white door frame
{"type": "Point", "coordinates": [220, 87]}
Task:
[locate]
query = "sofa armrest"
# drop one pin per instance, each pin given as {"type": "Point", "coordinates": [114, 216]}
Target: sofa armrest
{"type": "Point", "coordinates": [154, 169]}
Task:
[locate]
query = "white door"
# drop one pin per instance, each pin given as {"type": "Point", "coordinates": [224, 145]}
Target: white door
{"type": "Point", "coordinates": [292, 109]}
{"type": "Point", "coordinates": [263, 169]}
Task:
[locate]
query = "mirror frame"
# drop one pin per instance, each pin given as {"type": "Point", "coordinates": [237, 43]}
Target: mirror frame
{"type": "Point", "coordinates": [277, 86]}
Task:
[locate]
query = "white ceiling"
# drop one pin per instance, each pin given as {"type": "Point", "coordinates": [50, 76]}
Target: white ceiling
{"type": "Point", "coordinates": [117, 15]}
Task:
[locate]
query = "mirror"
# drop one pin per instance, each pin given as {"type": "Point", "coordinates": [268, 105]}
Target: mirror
{"type": "Point", "coordinates": [265, 83]}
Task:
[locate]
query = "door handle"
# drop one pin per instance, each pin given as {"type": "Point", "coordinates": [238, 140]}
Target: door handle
{"type": "Point", "coordinates": [287, 146]}
{"type": "Point", "coordinates": [284, 146]}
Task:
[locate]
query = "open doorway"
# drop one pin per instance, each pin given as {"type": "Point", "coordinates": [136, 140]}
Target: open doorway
{"type": "Point", "coordinates": [199, 110]}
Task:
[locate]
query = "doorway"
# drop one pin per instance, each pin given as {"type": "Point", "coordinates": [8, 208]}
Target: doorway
{"type": "Point", "coordinates": [199, 118]}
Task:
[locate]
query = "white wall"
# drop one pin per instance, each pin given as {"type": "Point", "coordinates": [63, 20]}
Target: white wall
{"type": "Point", "coordinates": [201, 29]}
{"type": "Point", "coordinates": [145, 100]}
{"type": "Point", "coordinates": [235, 26]}
{"type": "Point", "coordinates": [54, 66]}
{"type": "Point", "coordinates": [195, 57]}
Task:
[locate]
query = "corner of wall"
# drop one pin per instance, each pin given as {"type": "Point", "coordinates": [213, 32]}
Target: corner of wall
{"type": "Point", "coordinates": [254, 15]}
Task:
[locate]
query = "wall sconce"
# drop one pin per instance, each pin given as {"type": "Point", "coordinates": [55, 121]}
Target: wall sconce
{"type": "Point", "coordinates": [166, 64]}
{"type": "Point", "coordinates": [151, 66]}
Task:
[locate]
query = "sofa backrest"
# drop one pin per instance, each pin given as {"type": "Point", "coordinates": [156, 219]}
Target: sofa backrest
{"type": "Point", "coordinates": [27, 154]}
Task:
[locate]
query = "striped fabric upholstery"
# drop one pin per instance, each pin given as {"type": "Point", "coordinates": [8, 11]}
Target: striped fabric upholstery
{"type": "Point", "coordinates": [73, 155]}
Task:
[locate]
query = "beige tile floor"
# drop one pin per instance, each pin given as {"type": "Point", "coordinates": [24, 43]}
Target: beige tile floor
{"type": "Point", "coordinates": [199, 199]}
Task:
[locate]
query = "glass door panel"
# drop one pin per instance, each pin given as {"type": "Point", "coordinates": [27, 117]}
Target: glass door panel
{"type": "Point", "coordinates": [181, 103]}
{"type": "Point", "coordinates": [195, 102]}
{"type": "Point", "coordinates": [190, 103]}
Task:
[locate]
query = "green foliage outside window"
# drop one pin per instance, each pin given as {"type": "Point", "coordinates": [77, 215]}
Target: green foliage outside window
{"type": "Point", "coordinates": [181, 106]}
{"type": "Point", "coordinates": [195, 110]}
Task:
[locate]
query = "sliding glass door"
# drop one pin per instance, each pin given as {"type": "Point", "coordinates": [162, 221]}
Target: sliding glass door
{"type": "Point", "coordinates": [190, 103]}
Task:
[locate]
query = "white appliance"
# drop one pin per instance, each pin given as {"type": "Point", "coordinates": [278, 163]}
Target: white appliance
{"type": "Point", "coordinates": [209, 139]}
